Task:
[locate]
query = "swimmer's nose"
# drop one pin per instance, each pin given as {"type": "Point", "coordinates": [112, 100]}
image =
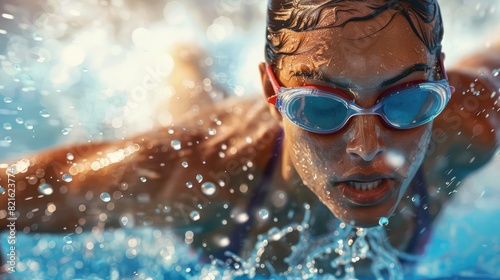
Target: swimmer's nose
{"type": "Point", "coordinates": [363, 139]}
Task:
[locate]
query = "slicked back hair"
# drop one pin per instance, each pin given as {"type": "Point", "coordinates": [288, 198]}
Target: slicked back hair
{"type": "Point", "coordinates": [285, 17]}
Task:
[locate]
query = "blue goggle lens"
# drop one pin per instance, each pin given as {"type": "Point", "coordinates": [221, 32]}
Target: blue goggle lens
{"type": "Point", "coordinates": [410, 109]}
{"type": "Point", "coordinates": [317, 112]}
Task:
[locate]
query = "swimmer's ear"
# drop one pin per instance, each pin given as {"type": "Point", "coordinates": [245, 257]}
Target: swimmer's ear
{"type": "Point", "coordinates": [268, 90]}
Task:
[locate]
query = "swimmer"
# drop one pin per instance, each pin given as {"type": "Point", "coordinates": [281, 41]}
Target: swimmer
{"type": "Point", "coordinates": [359, 117]}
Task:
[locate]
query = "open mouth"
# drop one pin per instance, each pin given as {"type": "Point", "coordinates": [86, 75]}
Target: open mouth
{"type": "Point", "coordinates": [366, 193]}
{"type": "Point", "coordinates": [364, 186]}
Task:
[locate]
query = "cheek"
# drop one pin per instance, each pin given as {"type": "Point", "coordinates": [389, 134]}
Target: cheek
{"type": "Point", "coordinates": [406, 149]}
{"type": "Point", "coordinates": [315, 157]}
{"type": "Point", "coordinates": [416, 143]}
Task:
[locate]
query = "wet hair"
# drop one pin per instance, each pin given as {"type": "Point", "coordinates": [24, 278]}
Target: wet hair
{"type": "Point", "coordinates": [288, 17]}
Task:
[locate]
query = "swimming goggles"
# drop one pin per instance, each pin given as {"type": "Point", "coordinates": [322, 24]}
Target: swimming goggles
{"type": "Point", "coordinates": [323, 110]}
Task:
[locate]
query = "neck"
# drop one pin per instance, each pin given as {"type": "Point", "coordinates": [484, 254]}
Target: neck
{"type": "Point", "coordinates": [401, 229]}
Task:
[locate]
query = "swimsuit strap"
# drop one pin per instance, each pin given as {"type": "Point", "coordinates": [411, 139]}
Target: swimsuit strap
{"type": "Point", "coordinates": [241, 231]}
{"type": "Point", "coordinates": [423, 218]}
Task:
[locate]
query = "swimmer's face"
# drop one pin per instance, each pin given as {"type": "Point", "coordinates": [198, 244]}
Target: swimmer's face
{"type": "Point", "coordinates": [362, 59]}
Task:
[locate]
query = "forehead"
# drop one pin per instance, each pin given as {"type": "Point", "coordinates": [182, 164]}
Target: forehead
{"type": "Point", "coordinates": [362, 52]}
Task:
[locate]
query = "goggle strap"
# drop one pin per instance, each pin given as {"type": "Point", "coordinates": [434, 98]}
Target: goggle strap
{"type": "Point", "coordinates": [272, 78]}
{"type": "Point", "coordinates": [274, 83]}
{"type": "Point", "coordinates": [272, 99]}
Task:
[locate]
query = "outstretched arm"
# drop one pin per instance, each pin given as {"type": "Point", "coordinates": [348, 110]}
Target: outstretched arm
{"type": "Point", "coordinates": [44, 184]}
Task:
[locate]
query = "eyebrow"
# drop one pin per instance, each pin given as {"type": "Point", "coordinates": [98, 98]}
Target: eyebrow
{"type": "Point", "coordinates": [406, 72]}
{"type": "Point", "coordinates": [414, 68]}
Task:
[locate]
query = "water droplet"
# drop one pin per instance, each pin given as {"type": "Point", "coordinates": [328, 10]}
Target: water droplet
{"type": "Point", "coordinates": [2, 190]}
{"type": "Point", "coordinates": [7, 126]}
{"type": "Point", "coordinates": [194, 215]}
{"type": "Point", "coordinates": [176, 145]}
{"type": "Point", "coordinates": [70, 156]}
{"type": "Point", "coordinates": [68, 250]}
{"type": "Point", "coordinates": [67, 239]}
{"type": "Point", "coordinates": [223, 241]}
{"type": "Point", "coordinates": [144, 179]}
{"type": "Point", "coordinates": [199, 178]}
{"type": "Point", "coordinates": [44, 113]}
{"type": "Point", "coordinates": [105, 197]}
{"type": "Point", "coordinates": [416, 199]}
{"type": "Point", "coordinates": [37, 37]}
{"type": "Point", "coordinates": [19, 120]}
{"type": "Point", "coordinates": [67, 178]}
{"type": "Point", "coordinates": [7, 100]}
{"type": "Point", "coordinates": [263, 214]}
{"type": "Point", "coordinates": [66, 131]}
{"type": "Point", "coordinates": [212, 131]}
{"type": "Point", "coordinates": [185, 164]}
{"type": "Point", "coordinates": [45, 189]}
{"type": "Point", "coordinates": [123, 186]}
{"type": "Point", "coordinates": [7, 139]}
{"type": "Point", "coordinates": [124, 220]}
{"type": "Point", "coordinates": [383, 221]}
{"type": "Point", "coordinates": [395, 159]}
{"type": "Point", "coordinates": [496, 72]}
{"type": "Point", "coordinates": [189, 185]}
{"type": "Point", "coordinates": [208, 188]}
{"type": "Point", "coordinates": [28, 125]}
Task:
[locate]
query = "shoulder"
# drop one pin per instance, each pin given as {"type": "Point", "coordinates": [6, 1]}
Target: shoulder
{"type": "Point", "coordinates": [465, 135]}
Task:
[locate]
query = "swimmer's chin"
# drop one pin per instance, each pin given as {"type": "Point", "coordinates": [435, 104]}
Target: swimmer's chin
{"type": "Point", "coordinates": [363, 217]}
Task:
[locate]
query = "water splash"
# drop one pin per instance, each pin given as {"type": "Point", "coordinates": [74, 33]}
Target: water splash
{"type": "Point", "coordinates": [343, 249]}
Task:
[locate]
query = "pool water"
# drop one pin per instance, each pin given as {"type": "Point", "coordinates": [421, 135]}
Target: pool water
{"type": "Point", "coordinates": [464, 245]}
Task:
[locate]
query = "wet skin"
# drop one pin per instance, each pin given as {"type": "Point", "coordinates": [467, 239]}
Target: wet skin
{"type": "Point", "coordinates": [246, 136]}
{"type": "Point", "coordinates": [360, 151]}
